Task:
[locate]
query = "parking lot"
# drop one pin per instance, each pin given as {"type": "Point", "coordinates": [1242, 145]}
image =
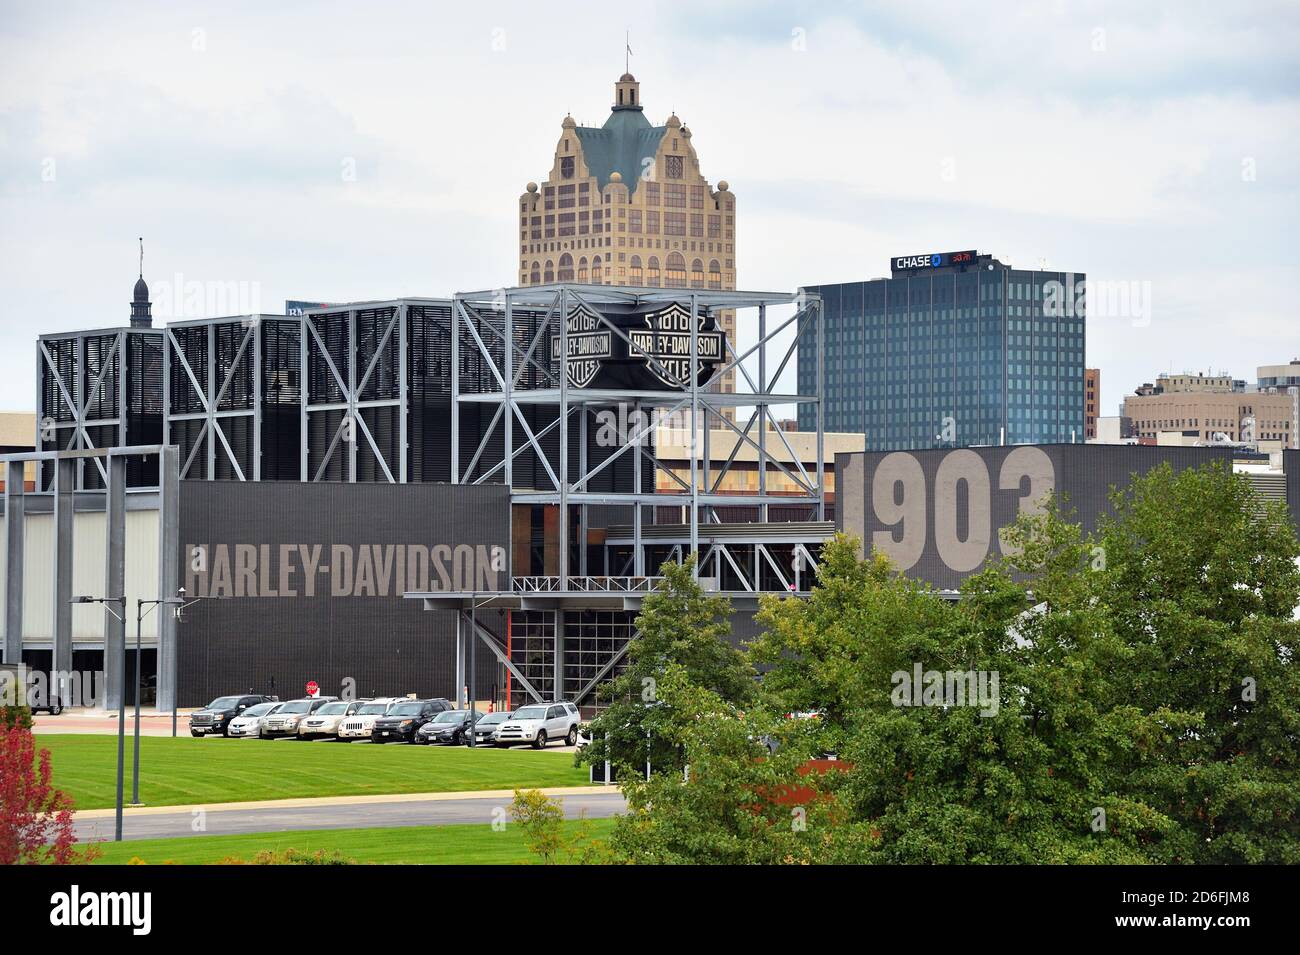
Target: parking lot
{"type": "Point", "coordinates": [99, 722]}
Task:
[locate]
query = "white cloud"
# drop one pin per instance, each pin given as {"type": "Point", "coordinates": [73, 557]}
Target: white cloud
{"type": "Point", "coordinates": [1123, 162]}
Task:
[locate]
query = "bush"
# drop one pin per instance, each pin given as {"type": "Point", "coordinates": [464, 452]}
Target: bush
{"type": "Point", "coordinates": [293, 856]}
{"type": "Point", "coordinates": [35, 818]}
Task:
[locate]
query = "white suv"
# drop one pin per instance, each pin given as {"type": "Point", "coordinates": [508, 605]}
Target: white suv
{"type": "Point", "coordinates": [358, 725]}
{"type": "Point", "coordinates": [324, 723]}
{"type": "Point", "coordinates": [539, 723]}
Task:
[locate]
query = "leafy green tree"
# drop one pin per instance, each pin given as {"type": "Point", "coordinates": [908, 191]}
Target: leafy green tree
{"type": "Point", "coordinates": [940, 783]}
{"type": "Point", "coordinates": [679, 625]}
{"type": "Point", "coordinates": [731, 802]}
{"type": "Point", "coordinates": [1200, 581]}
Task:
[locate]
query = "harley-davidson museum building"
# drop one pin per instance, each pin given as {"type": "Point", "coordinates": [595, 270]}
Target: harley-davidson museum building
{"type": "Point", "coordinates": [428, 496]}
{"type": "Point", "coordinates": [372, 495]}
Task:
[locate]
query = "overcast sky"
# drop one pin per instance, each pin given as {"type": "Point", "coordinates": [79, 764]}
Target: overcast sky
{"type": "Point", "coordinates": [349, 151]}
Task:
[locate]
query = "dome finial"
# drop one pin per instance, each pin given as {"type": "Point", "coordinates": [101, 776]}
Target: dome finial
{"type": "Point", "coordinates": [141, 308]}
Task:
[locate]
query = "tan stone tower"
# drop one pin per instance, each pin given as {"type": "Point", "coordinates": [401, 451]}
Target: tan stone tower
{"type": "Point", "coordinates": [626, 204]}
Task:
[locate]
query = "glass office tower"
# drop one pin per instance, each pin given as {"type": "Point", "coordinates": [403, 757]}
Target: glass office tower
{"type": "Point", "coordinates": [953, 350]}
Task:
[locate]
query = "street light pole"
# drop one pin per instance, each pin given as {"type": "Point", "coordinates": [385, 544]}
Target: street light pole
{"type": "Point", "coordinates": [135, 769]}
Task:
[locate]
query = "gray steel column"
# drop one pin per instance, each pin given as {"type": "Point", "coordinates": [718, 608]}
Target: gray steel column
{"type": "Point", "coordinates": [403, 398]}
{"type": "Point", "coordinates": [695, 420]}
{"type": "Point", "coordinates": [564, 445]}
{"type": "Point", "coordinates": [763, 410]}
{"type": "Point", "coordinates": [65, 479]}
{"type": "Point", "coordinates": [353, 411]}
{"type": "Point", "coordinates": [258, 398]}
{"type": "Point", "coordinates": [38, 438]}
{"type": "Point", "coordinates": [582, 508]}
{"type": "Point", "coordinates": [455, 395]}
{"type": "Point", "coordinates": [120, 357]}
{"type": "Point", "coordinates": [821, 414]}
{"type": "Point", "coordinates": [114, 578]}
{"type": "Point", "coordinates": [303, 397]}
{"type": "Point", "coordinates": [15, 511]}
{"type": "Point", "coordinates": [210, 386]}
{"type": "Point", "coordinates": [169, 519]}
{"type": "Point", "coordinates": [166, 387]}
{"type": "Point", "coordinates": [78, 387]}
{"type": "Point", "coordinates": [638, 554]}
{"type": "Point", "coordinates": [509, 416]}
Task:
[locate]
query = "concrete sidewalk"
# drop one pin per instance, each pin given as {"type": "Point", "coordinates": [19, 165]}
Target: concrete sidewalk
{"type": "Point", "coordinates": [101, 722]}
{"type": "Point", "coordinates": [345, 812]}
{"type": "Point", "coordinates": [321, 801]}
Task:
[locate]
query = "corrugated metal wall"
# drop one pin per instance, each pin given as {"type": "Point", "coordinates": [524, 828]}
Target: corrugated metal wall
{"type": "Point", "coordinates": [89, 531]}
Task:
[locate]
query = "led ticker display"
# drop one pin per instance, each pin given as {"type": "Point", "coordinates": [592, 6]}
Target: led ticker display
{"type": "Point", "coordinates": [933, 260]}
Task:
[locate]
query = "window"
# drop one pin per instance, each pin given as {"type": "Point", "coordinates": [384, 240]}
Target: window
{"type": "Point", "coordinates": [566, 267]}
{"type": "Point", "coordinates": [675, 196]}
{"type": "Point", "coordinates": [653, 278]}
{"type": "Point", "coordinates": [634, 220]}
{"type": "Point", "coordinates": [566, 164]}
{"type": "Point", "coordinates": [582, 269]}
{"type": "Point", "coordinates": [637, 277]}
{"type": "Point", "coordinates": [549, 274]}
{"type": "Point", "coordinates": [697, 225]}
{"type": "Point", "coordinates": [697, 274]}
{"type": "Point", "coordinates": [535, 276]}
{"type": "Point", "coordinates": [652, 193]}
{"type": "Point", "coordinates": [676, 272]}
{"type": "Point", "coordinates": [715, 275]}
{"type": "Point", "coordinates": [673, 167]}
{"type": "Point", "coordinates": [697, 197]}
{"type": "Point", "coordinates": [674, 223]}
{"type": "Point", "coordinates": [715, 227]}
{"type": "Point", "coordinates": [652, 222]}
{"type": "Point", "coordinates": [595, 270]}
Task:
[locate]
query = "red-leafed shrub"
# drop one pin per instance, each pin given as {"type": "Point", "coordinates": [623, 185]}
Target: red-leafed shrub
{"type": "Point", "coordinates": [35, 818]}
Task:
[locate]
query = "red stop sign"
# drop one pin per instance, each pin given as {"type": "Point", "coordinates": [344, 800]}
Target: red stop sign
{"type": "Point", "coordinates": [313, 688]}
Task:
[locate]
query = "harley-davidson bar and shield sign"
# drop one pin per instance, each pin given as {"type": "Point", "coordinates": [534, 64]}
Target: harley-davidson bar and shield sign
{"type": "Point", "coordinates": [655, 355]}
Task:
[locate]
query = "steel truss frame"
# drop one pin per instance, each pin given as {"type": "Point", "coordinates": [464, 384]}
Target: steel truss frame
{"type": "Point", "coordinates": [351, 382]}
{"type": "Point", "coordinates": [247, 358]}
{"type": "Point", "coordinates": [77, 392]}
{"type": "Point", "coordinates": [702, 403]}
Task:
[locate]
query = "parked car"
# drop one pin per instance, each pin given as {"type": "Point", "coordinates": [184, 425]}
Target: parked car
{"type": "Point", "coordinates": [404, 719]}
{"type": "Point", "coordinates": [248, 725]}
{"type": "Point", "coordinates": [449, 726]}
{"type": "Point", "coordinates": [285, 720]}
{"type": "Point", "coordinates": [214, 719]}
{"type": "Point", "coordinates": [360, 723]}
{"type": "Point", "coordinates": [485, 730]}
{"type": "Point", "coordinates": [20, 682]}
{"type": "Point", "coordinates": [539, 723]}
{"type": "Point", "coordinates": [325, 721]}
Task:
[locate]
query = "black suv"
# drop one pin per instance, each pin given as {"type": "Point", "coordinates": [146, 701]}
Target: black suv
{"type": "Point", "coordinates": [404, 720]}
{"type": "Point", "coordinates": [215, 718]}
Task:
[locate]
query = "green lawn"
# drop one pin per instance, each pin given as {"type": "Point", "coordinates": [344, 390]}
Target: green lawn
{"type": "Point", "coordinates": [430, 845]}
{"type": "Point", "coordinates": [186, 770]}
